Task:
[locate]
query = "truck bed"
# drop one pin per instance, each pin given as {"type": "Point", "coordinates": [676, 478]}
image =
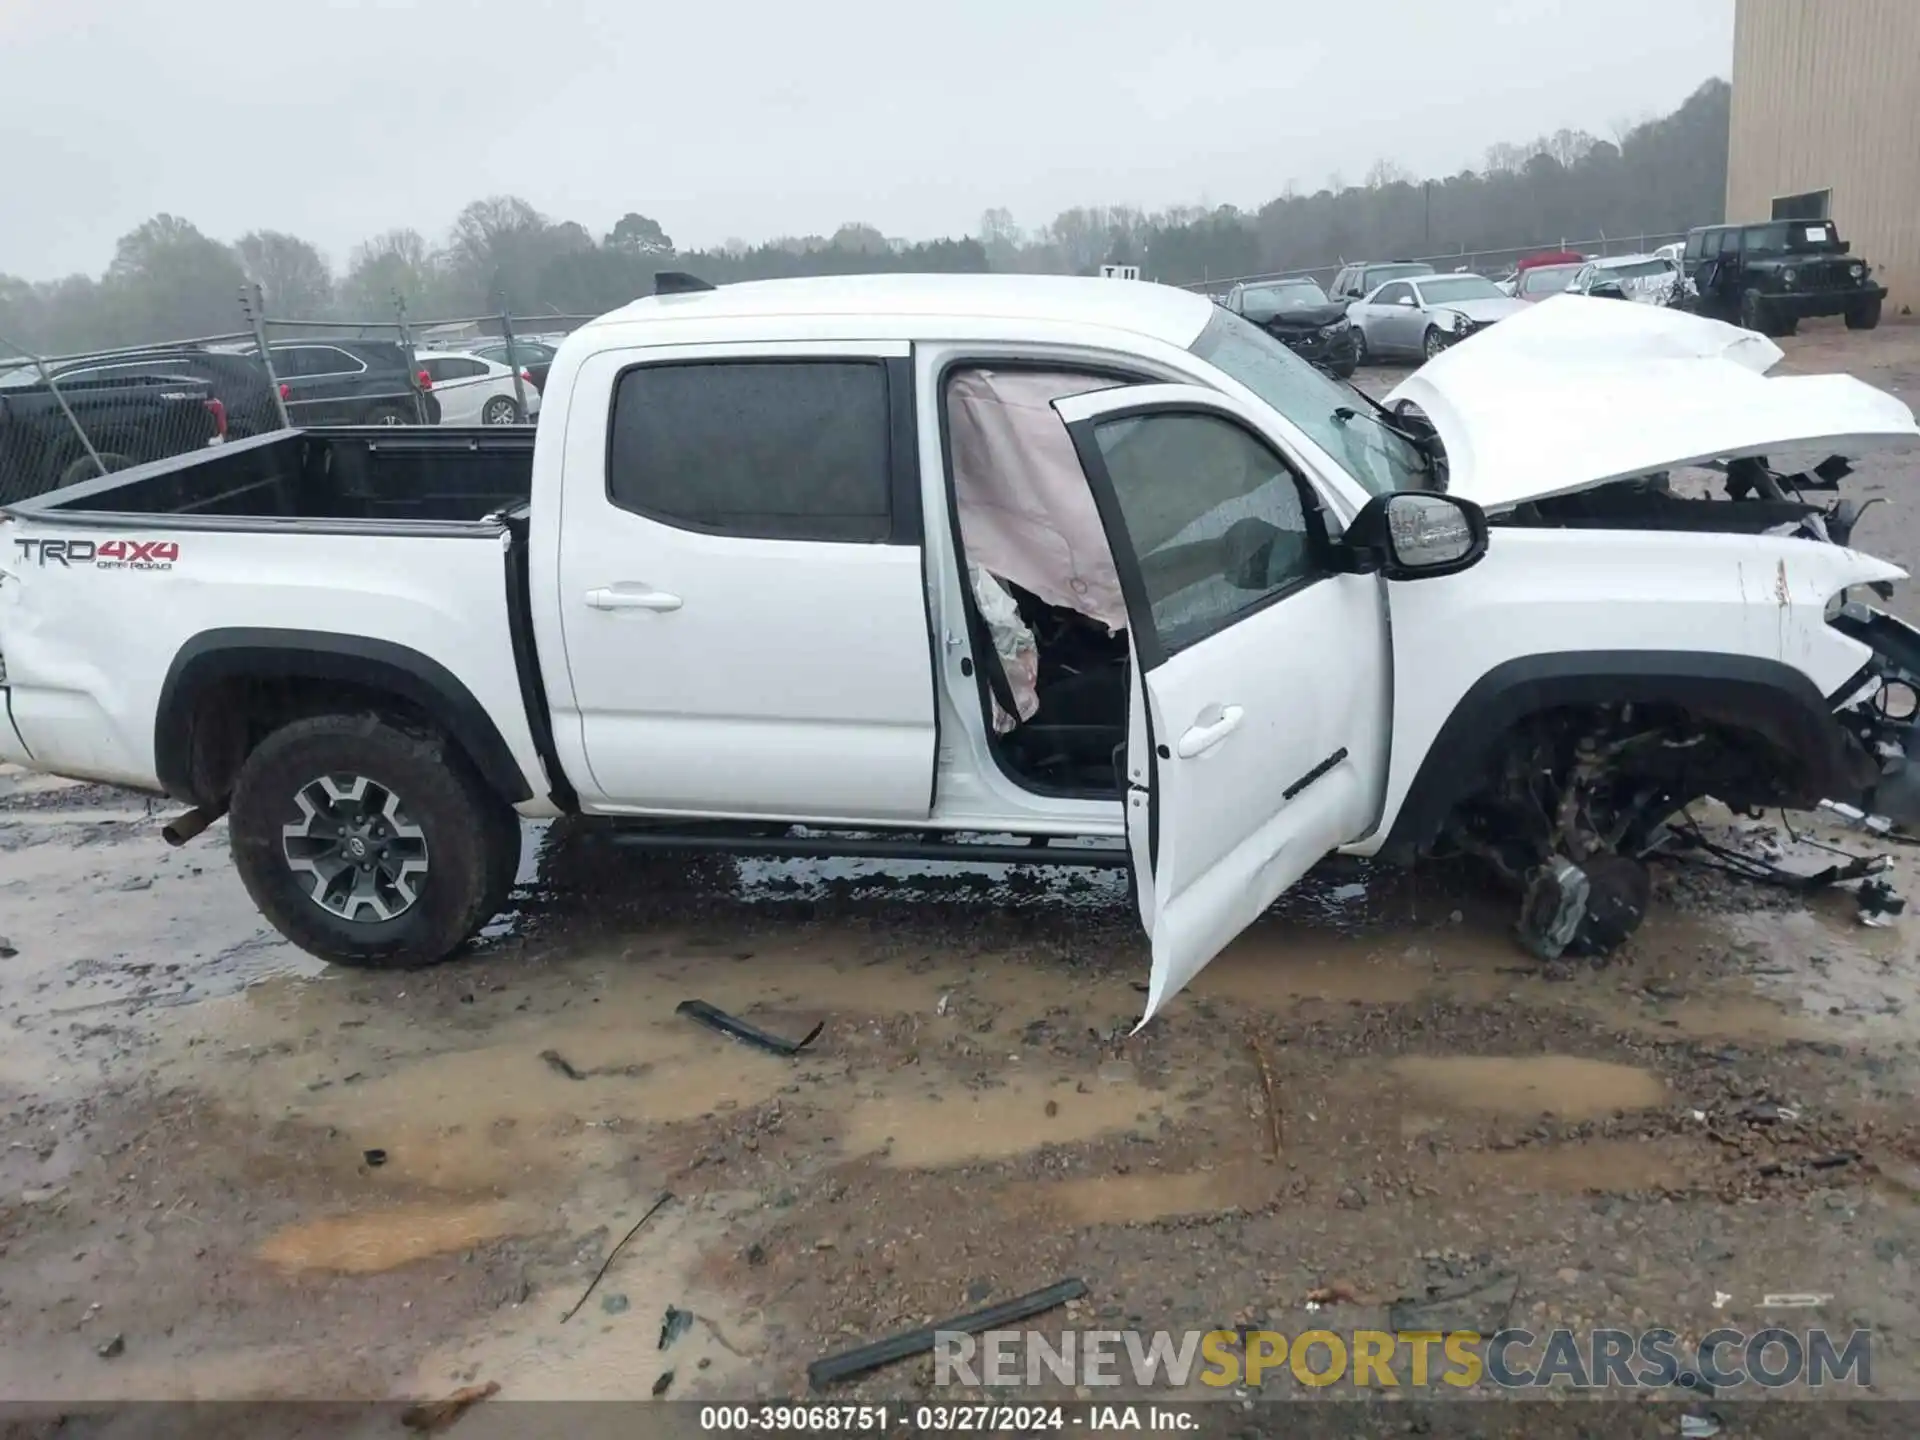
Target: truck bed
{"type": "Point", "coordinates": [387, 475]}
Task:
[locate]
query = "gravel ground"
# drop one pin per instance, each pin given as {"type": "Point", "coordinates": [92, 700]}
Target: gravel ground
{"type": "Point", "coordinates": [228, 1173]}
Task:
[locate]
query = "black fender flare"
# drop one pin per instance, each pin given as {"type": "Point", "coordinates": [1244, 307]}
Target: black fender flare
{"type": "Point", "coordinates": [213, 656]}
{"type": "Point", "coordinates": [1757, 694]}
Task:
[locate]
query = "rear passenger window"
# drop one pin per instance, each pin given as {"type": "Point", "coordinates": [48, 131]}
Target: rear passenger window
{"type": "Point", "coordinates": [778, 450]}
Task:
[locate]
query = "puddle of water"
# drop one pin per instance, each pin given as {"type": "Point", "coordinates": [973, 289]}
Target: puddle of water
{"type": "Point", "coordinates": [378, 1240]}
{"type": "Point", "coordinates": [1122, 1199]}
{"type": "Point", "coordinates": [926, 1131]}
{"type": "Point", "coordinates": [1561, 1085]}
{"type": "Point", "coordinates": [1607, 1167]}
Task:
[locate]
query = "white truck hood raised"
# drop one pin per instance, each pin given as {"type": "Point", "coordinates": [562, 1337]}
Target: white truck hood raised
{"type": "Point", "coordinates": [1578, 392]}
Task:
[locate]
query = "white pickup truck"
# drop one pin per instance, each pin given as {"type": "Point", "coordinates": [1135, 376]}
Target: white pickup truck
{"type": "Point", "coordinates": [996, 567]}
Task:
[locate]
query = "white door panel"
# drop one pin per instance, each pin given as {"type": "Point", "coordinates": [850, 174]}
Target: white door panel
{"type": "Point", "coordinates": [1260, 690]}
{"type": "Point", "coordinates": [733, 674]}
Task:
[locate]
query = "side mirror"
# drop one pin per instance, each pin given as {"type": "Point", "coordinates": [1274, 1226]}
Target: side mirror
{"type": "Point", "coordinates": [1413, 535]}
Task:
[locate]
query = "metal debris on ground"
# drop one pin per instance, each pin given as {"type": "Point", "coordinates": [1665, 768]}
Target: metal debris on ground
{"type": "Point", "coordinates": [833, 1369]}
{"type": "Point", "coordinates": [1480, 1305]}
{"type": "Point", "coordinates": [1794, 1300]}
{"type": "Point", "coordinates": [7, 952]}
{"type": "Point", "coordinates": [431, 1416]}
{"type": "Point", "coordinates": [560, 1065]}
{"type": "Point", "coordinates": [1879, 904]}
{"type": "Point", "coordinates": [613, 1254]}
{"type": "Point", "coordinates": [674, 1324]}
{"type": "Point", "coordinates": [729, 1025]}
{"type": "Point", "coordinates": [1688, 837]}
{"type": "Point", "coordinates": [113, 1349]}
{"type": "Point", "coordinates": [1698, 1427]}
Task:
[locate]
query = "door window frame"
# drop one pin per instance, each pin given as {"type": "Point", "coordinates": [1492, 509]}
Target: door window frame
{"type": "Point", "coordinates": [1148, 648]}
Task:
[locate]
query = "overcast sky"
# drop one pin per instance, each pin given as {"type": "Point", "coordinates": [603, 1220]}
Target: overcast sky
{"type": "Point", "coordinates": [335, 119]}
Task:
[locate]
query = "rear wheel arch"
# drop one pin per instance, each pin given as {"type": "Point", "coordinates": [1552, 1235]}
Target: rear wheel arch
{"type": "Point", "coordinates": [227, 689]}
{"type": "Point", "coordinates": [1749, 693]}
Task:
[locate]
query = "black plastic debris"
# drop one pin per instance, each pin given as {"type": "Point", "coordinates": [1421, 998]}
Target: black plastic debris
{"type": "Point", "coordinates": [113, 1349]}
{"type": "Point", "coordinates": [558, 1062]}
{"type": "Point", "coordinates": [835, 1368]}
{"type": "Point", "coordinates": [660, 1385]}
{"type": "Point", "coordinates": [374, 1158]}
{"type": "Point", "coordinates": [675, 1324]}
{"type": "Point", "coordinates": [1479, 1305]}
{"type": "Point", "coordinates": [732, 1026]}
{"type": "Point", "coordinates": [1878, 902]}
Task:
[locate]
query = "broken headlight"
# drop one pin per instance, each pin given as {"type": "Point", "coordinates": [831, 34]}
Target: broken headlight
{"type": "Point", "coordinates": [1789, 275]}
{"type": "Point", "coordinates": [1857, 270]}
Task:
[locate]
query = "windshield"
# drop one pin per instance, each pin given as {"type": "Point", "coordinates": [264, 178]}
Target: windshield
{"type": "Point", "coordinates": [1459, 287]}
{"type": "Point", "coordinates": [1547, 279]}
{"type": "Point", "coordinates": [1378, 459]}
{"type": "Point", "coordinates": [21, 375]}
{"type": "Point", "coordinates": [1635, 270]}
{"type": "Point", "coordinates": [1258, 300]}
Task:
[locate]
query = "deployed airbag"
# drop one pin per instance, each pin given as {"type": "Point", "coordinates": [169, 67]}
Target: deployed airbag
{"type": "Point", "coordinates": [1026, 513]}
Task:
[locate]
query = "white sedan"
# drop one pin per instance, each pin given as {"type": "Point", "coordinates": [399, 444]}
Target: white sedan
{"type": "Point", "coordinates": [473, 391]}
{"type": "Point", "coordinates": [1424, 314]}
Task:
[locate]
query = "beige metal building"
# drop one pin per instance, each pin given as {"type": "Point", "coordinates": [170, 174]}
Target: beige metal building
{"type": "Point", "coordinates": [1826, 124]}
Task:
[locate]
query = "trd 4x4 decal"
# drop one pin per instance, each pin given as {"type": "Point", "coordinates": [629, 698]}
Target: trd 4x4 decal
{"type": "Point", "coordinates": [102, 555]}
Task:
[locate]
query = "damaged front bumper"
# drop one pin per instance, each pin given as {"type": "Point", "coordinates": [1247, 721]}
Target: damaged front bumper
{"type": "Point", "coordinates": [1880, 709]}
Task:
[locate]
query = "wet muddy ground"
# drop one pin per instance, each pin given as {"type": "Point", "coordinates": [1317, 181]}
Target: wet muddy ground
{"type": "Point", "coordinates": [230, 1173]}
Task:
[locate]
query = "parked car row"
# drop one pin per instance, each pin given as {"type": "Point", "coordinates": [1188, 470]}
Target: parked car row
{"type": "Point", "coordinates": [1765, 276]}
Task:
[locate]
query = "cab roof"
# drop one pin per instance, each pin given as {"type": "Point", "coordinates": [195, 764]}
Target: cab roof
{"type": "Point", "coordinates": [1160, 312]}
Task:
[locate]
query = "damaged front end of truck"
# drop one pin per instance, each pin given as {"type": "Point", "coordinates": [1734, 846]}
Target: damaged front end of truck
{"type": "Point", "coordinates": [1583, 770]}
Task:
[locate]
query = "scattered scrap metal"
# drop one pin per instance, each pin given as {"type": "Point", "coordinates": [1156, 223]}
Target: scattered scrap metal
{"type": "Point", "coordinates": [735, 1028]}
{"type": "Point", "coordinates": [834, 1369]}
{"type": "Point", "coordinates": [613, 1254]}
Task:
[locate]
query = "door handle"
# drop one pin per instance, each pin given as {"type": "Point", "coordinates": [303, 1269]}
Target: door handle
{"type": "Point", "coordinates": [1202, 738]}
{"type": "Point", "coordinates": [620, 597]}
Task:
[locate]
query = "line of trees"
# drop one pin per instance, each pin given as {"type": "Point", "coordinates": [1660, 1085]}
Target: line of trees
{"type": "Point", "coordinates": [168, 280]}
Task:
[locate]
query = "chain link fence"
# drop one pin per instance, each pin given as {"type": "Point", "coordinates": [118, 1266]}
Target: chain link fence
{"type": "Point", "coordinates": [68, 418]}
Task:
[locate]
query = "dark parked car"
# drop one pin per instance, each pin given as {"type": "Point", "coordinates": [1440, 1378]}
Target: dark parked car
{"type": "Point", "coordinates": [352, 382]}
{"type": "Point", "coordinates": [1357, 281]}
{"type": "Point", "coordinates": [238, 382]}
{"type": "Point", "coordinates": [1298, 314]}
{"type": "Point", "coordinates": [1771, 275]}
{"type": "Point", "coordinates": [128, 422]}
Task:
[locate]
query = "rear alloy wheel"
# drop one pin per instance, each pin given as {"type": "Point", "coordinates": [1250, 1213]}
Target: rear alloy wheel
{"type": "Point", "coordinates": [1434, 343]}
{"type": "Point", "coordinates": [501, 410]}
{"type": "Point", "coordinates": [368, 844]}
{"type": "Point", "coordinates": [387, 415]}
{"type": "Point", "coordinates": [1360, 356]}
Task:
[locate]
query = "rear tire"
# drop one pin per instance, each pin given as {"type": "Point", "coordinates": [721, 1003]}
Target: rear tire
{"type": "Point", "coordinates": [501, 410]}
{"type": "Point", "coordinates": [370, 845]}
{"type": "Point", "coordinates": [1755, 313]}
{"type": "Point", "coordinates": [1865, 315]}
{"type": "Point", "coordinates": [1360, 356]}
{"type": "Point", "coordinates": [388, 415]}
{"type": "Point", "coordinates": [1433, 342]}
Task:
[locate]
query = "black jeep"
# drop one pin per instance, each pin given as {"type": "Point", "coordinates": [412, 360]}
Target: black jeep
{"type": "Point", "coordinates": [1770, 275]}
